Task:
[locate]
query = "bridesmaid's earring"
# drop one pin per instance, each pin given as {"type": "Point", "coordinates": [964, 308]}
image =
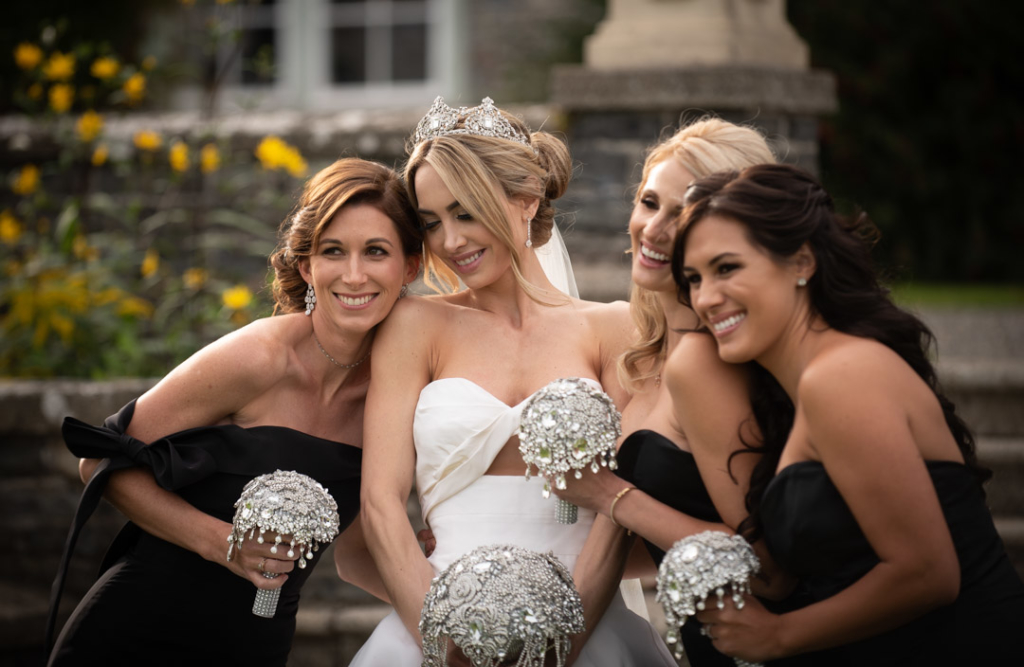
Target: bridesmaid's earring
{"type": "Point", "coordinates": [310, 300]}
{"type": "Point", "coordinates": [529, 241]}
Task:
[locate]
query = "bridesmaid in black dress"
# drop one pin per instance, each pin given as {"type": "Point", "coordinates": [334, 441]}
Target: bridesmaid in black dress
{"type": "Point", "coordinates": [874, 501]}
{"type": "Point", "coordinates": [286, 392]}
{"type": "Point", "coordinates": [688, 410]}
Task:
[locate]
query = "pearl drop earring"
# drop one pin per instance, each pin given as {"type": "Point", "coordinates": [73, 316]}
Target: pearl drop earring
{"type": "Point", "coordinates": [801, 282]}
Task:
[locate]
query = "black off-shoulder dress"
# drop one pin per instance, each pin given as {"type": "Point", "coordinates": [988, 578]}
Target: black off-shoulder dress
{"type": "Point", "coordinates": [158, 604]}
{"type": "Point", "coordinates": [811, 532]}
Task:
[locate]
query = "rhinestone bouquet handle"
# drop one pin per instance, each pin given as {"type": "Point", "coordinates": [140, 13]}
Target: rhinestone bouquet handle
{"type": "Point", "coordinates": [501, 604]}
{"type": "Point", "coordinates": [568, 426]}
{"type": "Point", "coordinates": [697, 566]}
{"type": "Point", "coordinates": [285, 503]}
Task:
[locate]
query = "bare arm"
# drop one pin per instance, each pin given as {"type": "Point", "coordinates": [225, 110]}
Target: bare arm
{"type": "Point", "coordinates": [711, 402]}
{"type": "Point", "coordinates": [206, 389]}
{"type": "Point", "coordinates": [400, 370]}
{"type": "Point", "coordinates": [879, 471]}
{"type": "Point", "coordinates": [603, 558]}
{"type": "Point", "coordinates": [354, 563]}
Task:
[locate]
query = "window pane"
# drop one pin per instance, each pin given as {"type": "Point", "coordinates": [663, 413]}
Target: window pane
{"type": "Point", "coordinates": [258, 56]}
{"type": "Point", "coordinates": [348, 55]}
{"type": "Point", "coordinates": [409, 53]}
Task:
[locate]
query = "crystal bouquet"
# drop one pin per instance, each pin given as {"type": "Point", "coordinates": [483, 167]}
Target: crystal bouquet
{"type": "Point", "coordinates": [501, 603]}
{"type": "Point", "coordinates": [697, 566]}
{"type": "Point", "coordinates": [567, 426]}
{"type": "Point", "coordinates": [286, 503]}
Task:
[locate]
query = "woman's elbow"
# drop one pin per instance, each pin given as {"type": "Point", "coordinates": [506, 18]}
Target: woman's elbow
{"type": "Point", "coordinates": [86, 468]}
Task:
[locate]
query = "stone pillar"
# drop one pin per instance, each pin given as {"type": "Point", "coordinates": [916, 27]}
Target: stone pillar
{"type": "Point", "coordinates": [654, 64]}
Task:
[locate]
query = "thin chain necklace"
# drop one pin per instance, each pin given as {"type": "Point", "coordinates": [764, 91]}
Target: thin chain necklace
{"type": "Point", "coordinates": [332, 358]}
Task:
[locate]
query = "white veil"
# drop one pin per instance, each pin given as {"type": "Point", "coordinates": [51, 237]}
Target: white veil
{"type": "Point", "coordinates": [554, 259]}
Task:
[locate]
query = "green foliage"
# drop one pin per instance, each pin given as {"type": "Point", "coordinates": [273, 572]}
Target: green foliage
{"type": "Point", "coordinates": [930, 129]}
{"type": "Point", "coordinates": [122, 256]}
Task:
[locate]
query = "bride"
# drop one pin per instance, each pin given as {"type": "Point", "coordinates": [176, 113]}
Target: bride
{"type": "Point", "coordinates": [451, 374]}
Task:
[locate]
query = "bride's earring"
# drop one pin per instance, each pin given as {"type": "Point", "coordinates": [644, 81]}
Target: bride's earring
{"type": "Point", "coordinates": [529, 241]}
{"type": "Point", "coordinates": [801, 282]}
{"type": "Point", "coordinates": [310, 300]}
{"type": "Point", "coordinates": [402, 292]}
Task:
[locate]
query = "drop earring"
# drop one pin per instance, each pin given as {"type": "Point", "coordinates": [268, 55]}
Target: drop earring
{"type": "Point", "coordinates": [529, 241]}
{"type": "Point", "coordinates": [310, 300]}
{"type": "Point", "coordinates": [801, 282]}
{"type": "Point", "coordinates": [402, 292]}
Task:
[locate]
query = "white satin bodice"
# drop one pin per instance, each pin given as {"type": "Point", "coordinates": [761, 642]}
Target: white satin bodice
{"type": "Point", "coordinates": [458, 430]}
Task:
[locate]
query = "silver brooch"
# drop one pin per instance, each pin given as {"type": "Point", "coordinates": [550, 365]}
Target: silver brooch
{"type": "Point", "coordinates": [568, 426]}
{"type": "Point", "coordinates": [697, 566]}
{"type": "Point", "coordinates": [501, 604]}
{"type": "Point", "coordinates": [481, 121]}
{"type": "Point", "coordinates": [285, 503]}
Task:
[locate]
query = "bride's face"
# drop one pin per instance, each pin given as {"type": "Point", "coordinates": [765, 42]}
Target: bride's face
{"type": "Point", "coordinates": [652, 226]}
{"type": "Point", "coordinates": [451, 233]}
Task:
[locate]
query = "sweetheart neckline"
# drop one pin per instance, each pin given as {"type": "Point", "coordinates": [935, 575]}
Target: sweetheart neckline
{"type": "Point", "coordinates": [481, 388]}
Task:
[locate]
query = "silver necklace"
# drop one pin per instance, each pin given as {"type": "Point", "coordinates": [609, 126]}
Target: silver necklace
{"type": "Point", "coordinates": [332, 358]}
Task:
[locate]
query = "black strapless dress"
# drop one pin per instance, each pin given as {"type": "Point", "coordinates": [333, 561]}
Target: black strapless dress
{"type": "Point", "coordinates": [158, 604]}
{"type": "Point", "coordinates": [811, 533]}
{"type": "Point", "coordinates": [668, 474]}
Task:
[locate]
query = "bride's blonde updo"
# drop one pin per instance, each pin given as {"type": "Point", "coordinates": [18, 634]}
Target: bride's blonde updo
{"type": "Point", "coordinates": [703, 147]}
{"type": "Point", "coordinates": [347, 182]}
{"type": "Point", "coordinates": [477, 168]}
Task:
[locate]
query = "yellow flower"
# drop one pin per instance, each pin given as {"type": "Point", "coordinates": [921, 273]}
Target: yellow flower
{"type": "Point", "coordinates": [209, 158]}
{"type": "Point", "coordinates": [10, 228]}
{"type": "Point", "coordinates": [148, 63]}
{"type": "Point", "coordinates": [194, 278]}
{"type": "Point", "coordinates": [27, 55]}
{"type": "Point", "coordinates": [60, 66]}
{"type": "Point", "coordinates": [100, 155]}
{"type": "Point", "coordinates": [61, 97]}
{"type": "Point", "coordinates": [150, 263]}
{"type": "Point", "coordinates": [35, 91]}
{"type": "Point", "coordinates": [237, 297]}
{"type": "Point", "coordinates": [135, 87]}
{"type": "Point", "coordinates": [27, 180]}
{"type": "Point", "coordinates": [274, 154]}
{"type": "Point", "coordinates": [147, 140]}
{"type": "Point", "coordinates": [133, 306]}
{"type": "Point", "coordinates": [63, 325]}
{"type": "Point", "coordinates": [89, 126]}
{"type": "Point", "coordinates": [105, 68]}
{"type": "Point", "coordinates": [83, 250]}
{"type": "Point", "coordinates": [107, 295]}
{"type": "Point", "coordinates": [178, 156]}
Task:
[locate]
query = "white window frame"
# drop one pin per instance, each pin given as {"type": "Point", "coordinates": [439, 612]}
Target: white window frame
{"type": "Point", "coordinates": [303, 60]}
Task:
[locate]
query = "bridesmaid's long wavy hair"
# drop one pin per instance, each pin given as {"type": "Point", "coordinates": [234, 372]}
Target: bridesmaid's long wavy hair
{"type": "Point", "coordinates": [703, 147]}
{"type": "Point", "coordinates": [783, 208]}
{"type": "Point", "coordinates": [347, 182]}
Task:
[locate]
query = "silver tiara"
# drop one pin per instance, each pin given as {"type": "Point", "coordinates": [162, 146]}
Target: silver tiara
{"type": "Point", "coordinates": [482, 121]}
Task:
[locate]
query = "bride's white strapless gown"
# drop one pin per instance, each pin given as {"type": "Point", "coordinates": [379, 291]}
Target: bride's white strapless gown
{"type": "Point", "coordinates": [458, 429]}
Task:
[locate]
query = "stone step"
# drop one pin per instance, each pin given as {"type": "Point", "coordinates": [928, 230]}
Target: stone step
{"type": "Point", "coordinates": [1005, 490]}
{"type": "Point", "coordinates": [988, 393]}
{"type": "Point", "coordinates": [330, 634]}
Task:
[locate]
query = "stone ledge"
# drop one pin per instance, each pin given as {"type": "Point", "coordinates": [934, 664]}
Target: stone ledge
{"type": "Point", "coordinates": [320, 620]}
{"type": "Point", "coordinates": [578, 88]}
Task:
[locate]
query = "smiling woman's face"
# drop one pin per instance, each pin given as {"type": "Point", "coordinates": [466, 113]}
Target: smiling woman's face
{"type": "Point", "coordinates": [451, 233]}
{"type": "Point", "coordinates": [358, 268]}
{"type": "Point", "coordinates": [749, 300]}
{"type": "Point", "coordinates": [652, 225]}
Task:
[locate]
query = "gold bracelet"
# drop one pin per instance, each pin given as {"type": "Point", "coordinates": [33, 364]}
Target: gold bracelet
{"type": "Point", "coordinates": [618, 496]}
